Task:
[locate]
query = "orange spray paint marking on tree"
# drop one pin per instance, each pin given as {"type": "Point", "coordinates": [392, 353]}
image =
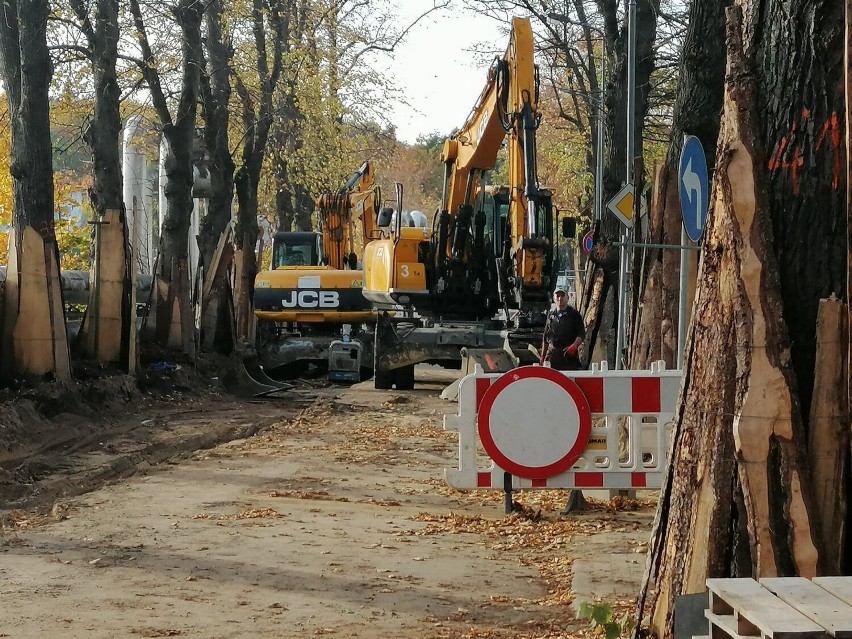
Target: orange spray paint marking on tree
{"type": "Point", "coordinates": [777, 160]}
{"type": "Point", "coordinates": [833, 125]}
{"type": "Point", "coordinates": [796, 162]}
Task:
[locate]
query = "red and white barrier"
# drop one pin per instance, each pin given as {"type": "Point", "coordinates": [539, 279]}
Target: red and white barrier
{"type": "Point", "coordinates": [595, 429]}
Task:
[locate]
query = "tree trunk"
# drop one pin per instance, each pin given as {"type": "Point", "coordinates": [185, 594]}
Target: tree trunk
{"type": "Point", "coordinates": [218, 331]}
{"type": "Point", "coordinates": [257, 124]}
{"type": "Point", "coordinates": [216, 94]}
{"type": "Point", "coordinates": [108, 333]}
{"type": "Point", "coordinates": [737, 498]}
{"type": "Point", "coordinates": [245, 257]}
{"type": "Point", "coordinates": [610, 228]}
{"type": "Point", "coordinates": [799, 47]}
{"type": "Point", "coordinates": [828, 436]}
{"type": "Point", "coordinates": [696, 112]}
{"type": "Point", "coordinates": [34, 310]}
{"type": "Point", "coordinates": [175, 321]}
{"type": "Point", "coordinates": [217, 302]}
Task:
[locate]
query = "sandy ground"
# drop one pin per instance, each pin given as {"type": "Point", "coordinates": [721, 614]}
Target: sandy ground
{"type": "Point", "coordinates": [330, 518]}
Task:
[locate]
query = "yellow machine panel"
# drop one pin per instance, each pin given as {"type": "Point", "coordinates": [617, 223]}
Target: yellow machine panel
{"type": "Point", "coordinates": [316, 295]}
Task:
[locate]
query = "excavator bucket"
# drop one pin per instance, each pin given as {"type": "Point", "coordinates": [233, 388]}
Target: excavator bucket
{"type": "Point", "coordinates": [243, 376]}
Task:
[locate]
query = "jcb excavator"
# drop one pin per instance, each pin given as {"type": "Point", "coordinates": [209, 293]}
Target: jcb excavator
{"type": "Point", "coordinates": [481, 279]}
{"type": "Point", "coordinates": [309, 306]}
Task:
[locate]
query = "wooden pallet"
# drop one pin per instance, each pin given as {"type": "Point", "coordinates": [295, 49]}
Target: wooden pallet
{"type": "Point", "coordinates": [780, 608]}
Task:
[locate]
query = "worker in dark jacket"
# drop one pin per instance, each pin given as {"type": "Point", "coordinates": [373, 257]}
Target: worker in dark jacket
{"type": "Point", "coordinates": [564, 331]}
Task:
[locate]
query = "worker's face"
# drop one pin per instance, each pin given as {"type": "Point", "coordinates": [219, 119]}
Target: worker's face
{"type": "Point", "coordinates": [561, 299]}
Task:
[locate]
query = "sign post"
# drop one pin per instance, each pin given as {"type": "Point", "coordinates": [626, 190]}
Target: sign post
{"type": "Point", "coordinates": [621, 206]}
{"type": "Point", "coordinates": [694, 190]}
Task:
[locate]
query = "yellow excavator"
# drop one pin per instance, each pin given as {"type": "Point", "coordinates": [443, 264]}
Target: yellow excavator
{"type": "Point", "coordinates": [309, 305]}
{"type": "Point", "coordinates": [478, 283]}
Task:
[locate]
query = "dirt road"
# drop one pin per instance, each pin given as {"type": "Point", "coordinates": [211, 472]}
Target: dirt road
{"type": "Point", "coordinates": [333, 520]}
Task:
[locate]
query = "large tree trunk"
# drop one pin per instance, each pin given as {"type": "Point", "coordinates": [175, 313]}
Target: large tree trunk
{"type": "Point", "coordinates": [217, 319]}
{"type": "Point", "coordinates": [108, 333]}
{"type": "Point", "coordinates": [174, 325]}
{"type": "Point", "coordinates": [257, 122]}
{"type": "Point", "coordinates": [736, 501]}
{"type": "Point", "coordinates": [216, 94]}
{"type": "Point", "coordinates": [696, 112]}
{"type": "Point", "coordinates": [610, 228]}
{"type": "Point", "coordinates": [34, 314]}
{"type": "Point", "coordinates": [799, 47]}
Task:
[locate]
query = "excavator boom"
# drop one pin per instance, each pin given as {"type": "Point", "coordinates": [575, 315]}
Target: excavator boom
{"type": "Point", "coordinates": [486, 263]}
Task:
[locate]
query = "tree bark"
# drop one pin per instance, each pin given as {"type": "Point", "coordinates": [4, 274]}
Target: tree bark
{"type": "Point", "coordinates": [217, 305]}
{"type": "Point", "coordinates": [257, 122]}
{"type": "Point", "coordinates": [696, 112]}
{"type": "Point", "coordinates": [737, 498]}
{"type": "Point", "coordinates": [799, 48]}
{"type": "Point", "coordinates": [34, 309]}
{"type": "Point", "coordinates": [111, 293]}
{"type": "Point", "coordinates": [609, 229]}
{"type": "Point", "coordinates": [828, 435]}
{"type": "Point", "coordinates": [216, 94]}
{"type": "Point", "coordinates": [173, 296]}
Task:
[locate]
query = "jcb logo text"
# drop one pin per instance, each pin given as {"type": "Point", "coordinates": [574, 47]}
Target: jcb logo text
{"type": "Point", "coordinates": [311, 299]}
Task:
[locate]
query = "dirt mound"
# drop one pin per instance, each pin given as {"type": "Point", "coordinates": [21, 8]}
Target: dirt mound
{"type": "Point", "coordinates": [39, 417]}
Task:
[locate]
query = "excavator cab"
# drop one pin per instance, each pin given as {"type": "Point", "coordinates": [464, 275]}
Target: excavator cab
{"type": "Point", "coordinates": [296, 249]}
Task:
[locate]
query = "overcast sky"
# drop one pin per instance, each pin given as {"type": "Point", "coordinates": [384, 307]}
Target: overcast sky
{"type": "Point", "coordinates": [438, 70]}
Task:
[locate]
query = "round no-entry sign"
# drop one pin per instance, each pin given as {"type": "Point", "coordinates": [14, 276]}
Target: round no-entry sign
{"type": "Point", "coordinates": [588, 242]}
{"type": "Point", "coordinates": [534, 422]}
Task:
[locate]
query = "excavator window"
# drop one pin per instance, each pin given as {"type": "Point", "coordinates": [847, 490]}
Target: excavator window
{"type": "Point", "coordinates": [289, 253]}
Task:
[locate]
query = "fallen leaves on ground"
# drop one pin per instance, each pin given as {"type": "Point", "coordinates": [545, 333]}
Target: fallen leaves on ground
{"type": "Point", "coordinates": [254, 513]}
{"type": "Point", "coordinates": [319, 495]}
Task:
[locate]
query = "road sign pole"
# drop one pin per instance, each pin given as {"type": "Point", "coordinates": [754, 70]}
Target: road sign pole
{"type": "Point", "coordinates": [621, 330]}
{"type": "Point", "coordinates": [682, 312]}
{"type": "Point", "coordinates": [620, 356]}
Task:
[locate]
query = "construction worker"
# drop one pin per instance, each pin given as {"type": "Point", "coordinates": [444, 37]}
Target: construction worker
{"type": "Point", "coordinates": [564, 331]}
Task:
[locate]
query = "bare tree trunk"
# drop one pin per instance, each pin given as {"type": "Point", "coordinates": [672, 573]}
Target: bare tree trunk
{"type": "Point", "coordinates": [34, 314]}
{"type": "Point", "coordinates": [737, 498]}
{"type": "Point", "coordinates": [217, 302]}
{"type": "Point", "coordinates": [216, 94]}
{"type": "Point", "coordinates": [610, 228]}
{"type": "Point", "coordinates": [175, 321]}
{"type": "Point", "coordinates": [108, 333]}
{"type": "Point", "coordinates": [696, 112]}
{"type": "Point", "coordinates": [257, 122]}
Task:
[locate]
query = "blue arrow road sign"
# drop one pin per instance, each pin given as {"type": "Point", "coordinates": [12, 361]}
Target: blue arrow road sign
{"type": "Point", "coordinates": [693, 187]}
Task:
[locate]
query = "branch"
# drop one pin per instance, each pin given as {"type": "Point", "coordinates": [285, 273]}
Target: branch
{"type": "Point", "coordinates": [85, 23]}
{"type": "Point", "coordinates": [147, 66]}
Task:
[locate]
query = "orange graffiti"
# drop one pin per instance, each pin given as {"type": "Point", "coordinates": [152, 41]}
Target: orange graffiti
{"type": "Point", "coordinates": [787, 157]}
{"type": "Point", "coordinates": [833, 125]}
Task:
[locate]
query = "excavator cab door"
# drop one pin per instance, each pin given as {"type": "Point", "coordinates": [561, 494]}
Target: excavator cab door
{"type": "Point", "coordinates": [385, 217]}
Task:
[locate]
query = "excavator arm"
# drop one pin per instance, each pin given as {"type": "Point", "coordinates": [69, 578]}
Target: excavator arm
{"type": "Point", "coordinates": [348, 218]}
{"type": "Point", "coordinates": [506, 110]}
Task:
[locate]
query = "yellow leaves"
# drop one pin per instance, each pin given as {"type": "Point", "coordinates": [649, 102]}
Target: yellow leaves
{"type": "Point", "coordinates": [23, 520]}
{"type": "Point", "coordinates": [317, 495]}
{"type": "Point", "coordinates": [253, 513]}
